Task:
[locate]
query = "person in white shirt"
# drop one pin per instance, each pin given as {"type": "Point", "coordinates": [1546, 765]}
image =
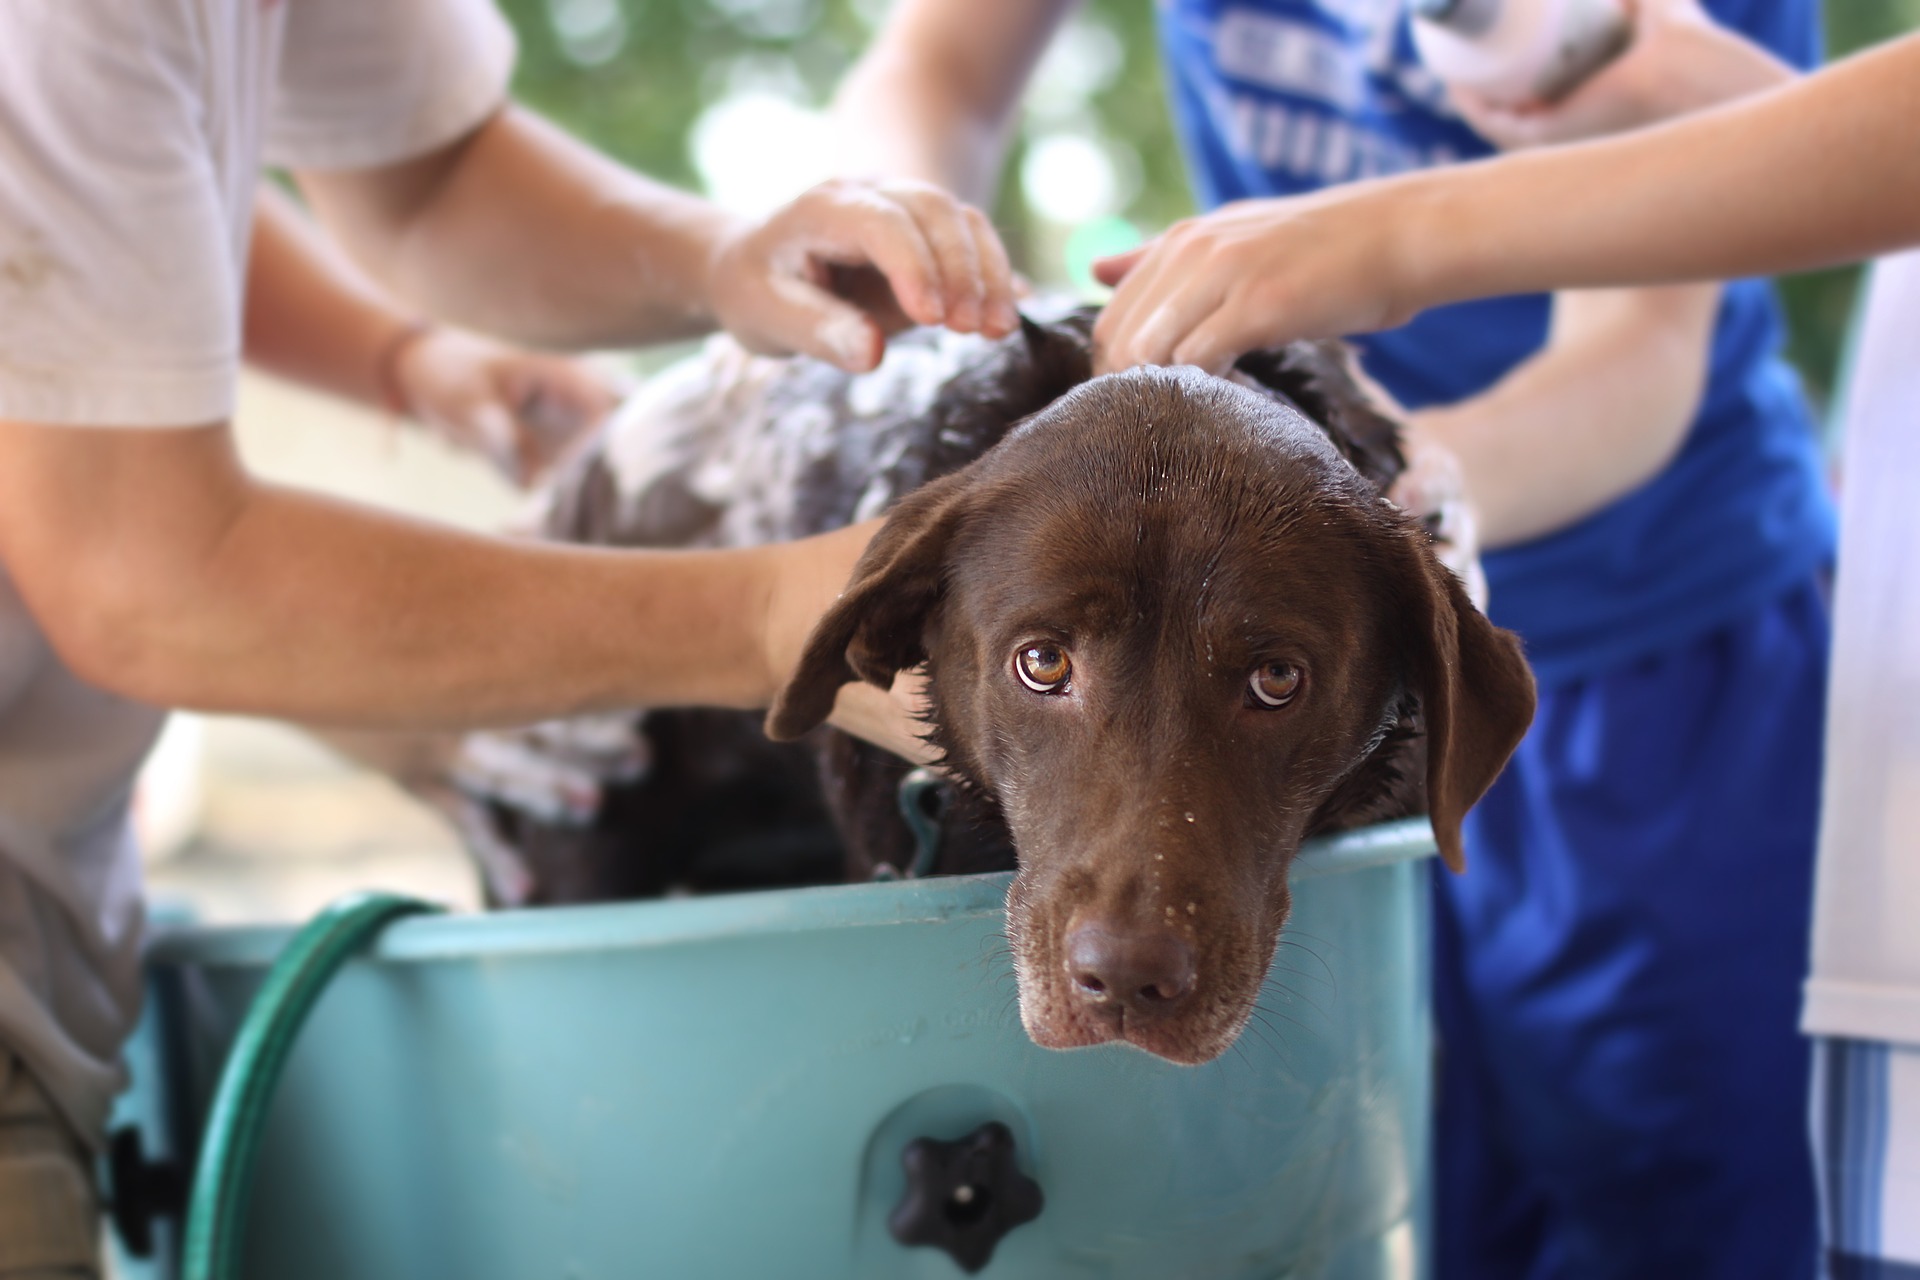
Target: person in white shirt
{"type": "Point", "coordinates": [141, 567]}
{"type": "Point", "coordinates": [311, 318]}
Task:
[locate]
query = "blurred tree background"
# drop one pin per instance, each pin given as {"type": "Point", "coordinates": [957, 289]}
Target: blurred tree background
{"type": "Point", "coordinates": [727, 96]}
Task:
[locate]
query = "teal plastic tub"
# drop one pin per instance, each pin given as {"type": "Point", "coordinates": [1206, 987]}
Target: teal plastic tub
{"type": "Point", "coordinates": [724, 1087]}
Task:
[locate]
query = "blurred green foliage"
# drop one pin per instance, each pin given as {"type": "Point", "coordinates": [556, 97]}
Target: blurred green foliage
{"type": "Point", "coordinates": [633, 76]}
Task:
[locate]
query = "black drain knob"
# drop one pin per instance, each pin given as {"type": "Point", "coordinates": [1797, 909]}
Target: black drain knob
{"type": "Point", "coordinates": [963, 1196]}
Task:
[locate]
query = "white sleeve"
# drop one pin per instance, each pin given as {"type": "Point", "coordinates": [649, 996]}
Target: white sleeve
{"type": "Point", "coordinates": [119, 290]}
{"type": "Point", "coordinates": [371, 82]}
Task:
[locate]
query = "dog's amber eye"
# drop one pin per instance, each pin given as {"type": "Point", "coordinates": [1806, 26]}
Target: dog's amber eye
{"type": "Point", "coordinates": [1274, 684]}
{"type": "Point", "coordinates": [1043, 668]}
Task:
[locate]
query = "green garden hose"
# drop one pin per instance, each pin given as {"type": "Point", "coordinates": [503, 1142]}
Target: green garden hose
{"type": "Point", "coordinates": [223, 1175]}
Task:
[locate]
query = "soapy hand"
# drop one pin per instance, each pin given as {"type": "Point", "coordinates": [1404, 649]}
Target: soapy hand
{"type": "Point", "coordinates": [1433, 489]}
{"type": "Point", "coordinates": [1254, 274]}
{"type": "Point", "coordinates": [835, 271]}
{"type": "Point", "coordinates": [520, 410]}
{"type": "Point", "coordinates": [1679, 60]}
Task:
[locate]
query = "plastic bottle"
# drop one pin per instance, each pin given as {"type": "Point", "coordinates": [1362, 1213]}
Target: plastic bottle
{"type": "Point", "coordinates": [1518, 52]}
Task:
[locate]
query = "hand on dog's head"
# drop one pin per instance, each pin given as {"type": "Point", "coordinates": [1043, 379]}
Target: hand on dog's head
{"type": "Point", "coordinates": [1166, 624]}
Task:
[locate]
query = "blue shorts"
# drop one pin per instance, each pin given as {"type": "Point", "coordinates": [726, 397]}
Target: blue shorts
{"type": "Point", "coordinates": [1623, 1088]}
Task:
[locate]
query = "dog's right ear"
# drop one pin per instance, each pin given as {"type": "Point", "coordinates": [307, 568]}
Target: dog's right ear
{"type": "Point", "coordinates": [874, 631]}
{"type": "Point", "coordinates": [1475, 690]}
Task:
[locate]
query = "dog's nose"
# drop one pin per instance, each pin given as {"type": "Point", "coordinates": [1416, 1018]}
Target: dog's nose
{"type": "Point", "coordinates": [1146, 972]}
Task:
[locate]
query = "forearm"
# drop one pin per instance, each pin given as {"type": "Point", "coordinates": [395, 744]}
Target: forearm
{"type": "Point", "coordinates": [1812, 173]}
{"type": "Point", "coordinates": [1593, 416]}
{"type": "Point", "coordinates": [320, 611]}
{"type": "Point", "coordinates": [936, 95]}
{"type": "Point", "coordinates": [521, 231]}
{"type": "Point", "coordinates": [310, 316]}
{"type": "Point", "coordinates": [191, 585]}
{"type": "Point", "coordinates": [890, 122]}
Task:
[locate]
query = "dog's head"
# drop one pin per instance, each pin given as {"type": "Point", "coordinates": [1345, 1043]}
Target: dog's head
{"type": "Point", "coordinates": [1165, 623]}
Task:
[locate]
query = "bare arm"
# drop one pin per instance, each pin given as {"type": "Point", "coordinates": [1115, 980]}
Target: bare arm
{"type": "Point", "coordinates": [313, 318]}
{"type": "Point", "coordinates": [1817, 172]}
{"type": "Point", "coordinates": [159, 570]}
{"type": "Point", "coordinates": [1598, 412]}
{"type": "Point", "coordinates": [518, 230]}
{"type": "Point", "coordinates": [1608, 400]}
{"type": "Point", "coordinates": [310, 317]}
{"type": "Point", "coordinates": [934, 96]}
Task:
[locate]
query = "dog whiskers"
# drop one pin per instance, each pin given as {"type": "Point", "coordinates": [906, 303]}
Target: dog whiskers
{"type": "Point", "coordinates": [1297, 995]}
{"type": "Point", "coordinates": [1265, 1014]}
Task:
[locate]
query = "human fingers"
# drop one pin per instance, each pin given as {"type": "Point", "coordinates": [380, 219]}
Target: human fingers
{"type": "Point", "coordinates": [1136, 296]}
{"type": "Point", "coordinates": [855, 224]}
{"type": "Point", "coordinates": [951, 236]}
{"type": "Point", "coordinates": [1166, 287]}
{"type": "Point", "coordinates": [1431, 478]}
{"type": "Point", "coordinates": [1506, 127]}
{"type": "Point", "coordinates": [771, 284]}
{"type": "Point", "coordinates": [1002, 285]}
{"type": "Point", "coordinates": [884, 719]}
{"type": "Point", "coordinates": [868, 290]}
{"type": "Point", "coordinates": [809, 319]}
{"type": "Point", "coordinates": [490, 429]}
{"type": "Point", "coordinates": [1432, 489]}
{"type": "Point", "coordinates": [1220, 338]}
{"type": "Point", "coordinates": [556, 403]}
{"type": "Point", "coordinates": [978, 285]}
{"type": "Point", "coordinates": [1161, 301]}
{"type": "Point", "coordinates": [1162, 329]}
{"type": "Point", "coordinates": [452, 382]}
{"type": "Point", "coordinates": [1111, 271]}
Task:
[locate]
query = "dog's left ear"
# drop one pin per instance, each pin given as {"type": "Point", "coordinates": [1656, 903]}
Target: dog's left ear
{"type": "Point", "coordinates": [874, 631]}
{"type": "Point", "coordinates": [1475, 689]}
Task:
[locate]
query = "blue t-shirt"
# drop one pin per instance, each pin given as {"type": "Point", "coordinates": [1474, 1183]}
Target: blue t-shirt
{"type": "Point", "coordinates": [1276, 97]}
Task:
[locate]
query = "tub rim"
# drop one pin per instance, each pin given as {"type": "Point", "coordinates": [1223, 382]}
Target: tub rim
{"type": "Point", "coordinates": [674, 921]}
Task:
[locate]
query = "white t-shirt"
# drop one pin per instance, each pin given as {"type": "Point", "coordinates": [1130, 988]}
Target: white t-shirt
{"type": "Point", "coordinates": [132, 135]}
{"type": "Point", "coordinates": [1866, 938]}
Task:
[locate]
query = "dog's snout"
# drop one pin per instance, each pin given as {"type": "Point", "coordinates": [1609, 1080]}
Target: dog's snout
{"type": "Point", "coordinates": [1144, 972]}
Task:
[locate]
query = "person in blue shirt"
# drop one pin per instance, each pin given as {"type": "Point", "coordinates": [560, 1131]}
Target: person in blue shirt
{"type": "Point", "coordinates": [1622, 1087]}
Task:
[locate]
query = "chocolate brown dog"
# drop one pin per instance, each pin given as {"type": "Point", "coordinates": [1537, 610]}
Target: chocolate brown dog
{"type": "Point", "coordinates": [1171, 628]}
{"type": "Point", "coordinates": [1171, 631]}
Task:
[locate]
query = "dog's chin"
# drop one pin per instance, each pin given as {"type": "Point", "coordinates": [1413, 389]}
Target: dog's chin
{"type": "Point", "coordinates": [1052, 1025]}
